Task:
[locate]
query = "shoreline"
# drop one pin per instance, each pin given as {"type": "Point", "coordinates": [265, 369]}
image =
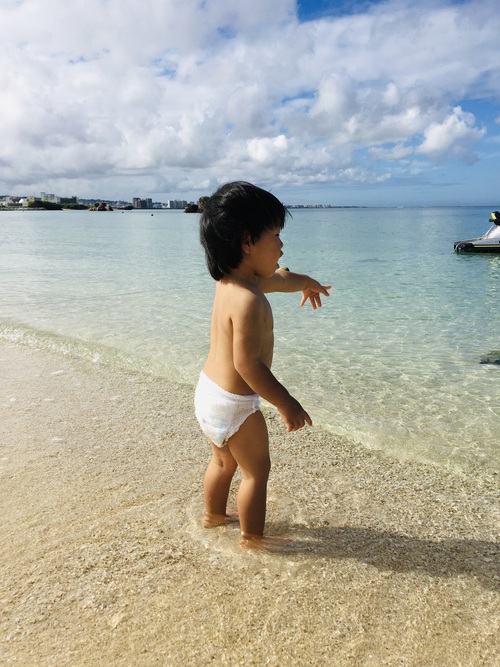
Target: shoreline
{"type": "Point", "coordinates": [104, 560]}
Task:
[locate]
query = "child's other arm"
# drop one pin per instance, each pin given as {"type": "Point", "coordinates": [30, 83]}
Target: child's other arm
{"type": "Point", "coordinates": [249, 350]}
{"type": "Point", "coordinates": [286, 281]}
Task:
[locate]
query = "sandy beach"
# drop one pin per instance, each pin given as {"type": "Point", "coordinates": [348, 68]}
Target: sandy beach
{"type": "Point", "coordinates": [104, 560]}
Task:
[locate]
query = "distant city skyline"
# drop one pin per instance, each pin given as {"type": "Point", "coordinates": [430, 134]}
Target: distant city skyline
{"type": "Point", "coordinates": [166, 203]}
{"type": "Point", "coordinates": [134, 202]}
{"type": "Point", "coordinates": [377, 102]}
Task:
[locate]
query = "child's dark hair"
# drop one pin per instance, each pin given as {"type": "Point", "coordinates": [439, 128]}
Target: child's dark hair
{"type": "Point", "coordinates": [235, 212]}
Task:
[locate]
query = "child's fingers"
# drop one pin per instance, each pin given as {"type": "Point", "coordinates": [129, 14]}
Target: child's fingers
{"type": "Point", "coordinates": [312, 298]}
{"type": "Point", "coordinates": [315, 296]}
{"type": "Point", "coordinates": [299, 423]}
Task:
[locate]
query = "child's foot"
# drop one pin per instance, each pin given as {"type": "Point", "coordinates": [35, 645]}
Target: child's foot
{"type": "Point", "coordinates": [214, 520]}
{"type": "Point", "coordinates": [258, 543]}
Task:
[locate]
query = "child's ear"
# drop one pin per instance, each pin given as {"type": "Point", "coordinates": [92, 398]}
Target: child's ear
{"type": "Point", "coordinates": [247, 243]}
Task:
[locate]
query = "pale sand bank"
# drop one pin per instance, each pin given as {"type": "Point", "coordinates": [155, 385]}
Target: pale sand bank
{"type": "Point", "coordinates": [104, 562]}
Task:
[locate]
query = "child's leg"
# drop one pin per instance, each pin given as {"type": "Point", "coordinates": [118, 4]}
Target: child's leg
{"type": "Point", "coordinates": [250, 448]}
{"type": "Point", "coordinates": [217, 482]}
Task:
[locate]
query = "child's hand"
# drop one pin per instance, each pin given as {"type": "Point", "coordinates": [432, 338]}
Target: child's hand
{"type": "Point", "coordinates": [294, 415]}
{"type": "Point", "coordinates": [313, 292]}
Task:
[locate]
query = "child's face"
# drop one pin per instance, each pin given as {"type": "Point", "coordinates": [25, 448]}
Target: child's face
{"type": "Point", "coordinates": [266, 252]}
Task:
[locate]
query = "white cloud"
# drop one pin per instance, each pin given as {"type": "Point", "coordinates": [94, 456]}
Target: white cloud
{"type": "Point", "coordinates": [452, 137]}
{"type": "Point", "coordinates": [138, 97]}
{"type": "Point", "coordinates": [266, 150]}
{"type": "Point", "coordinates": [396, 153]}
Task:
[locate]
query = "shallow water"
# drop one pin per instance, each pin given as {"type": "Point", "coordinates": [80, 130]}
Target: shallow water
{"type": "Point", "coordinates": [392, 360]}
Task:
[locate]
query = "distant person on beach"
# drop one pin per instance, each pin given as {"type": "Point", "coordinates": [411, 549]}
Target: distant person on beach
{"type": "Point", "coordinates": [240, 232]}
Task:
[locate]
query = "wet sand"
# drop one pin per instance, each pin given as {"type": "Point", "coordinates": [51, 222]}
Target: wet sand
{"type": "Point", "coordinates": [104, 560]}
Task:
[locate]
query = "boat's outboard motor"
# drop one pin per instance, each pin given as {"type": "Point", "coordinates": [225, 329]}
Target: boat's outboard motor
{"type": "Point", "coordinates": [495, 217]}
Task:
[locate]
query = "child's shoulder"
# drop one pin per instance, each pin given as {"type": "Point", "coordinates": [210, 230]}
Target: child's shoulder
{"type": "Point", "coordinates": [239, 295]}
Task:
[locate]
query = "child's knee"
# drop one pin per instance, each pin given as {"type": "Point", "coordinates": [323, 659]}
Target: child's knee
{"type": "Point", "coordinates": [226, 465]}
{"type": "Point", "coordinates": [259, 470]}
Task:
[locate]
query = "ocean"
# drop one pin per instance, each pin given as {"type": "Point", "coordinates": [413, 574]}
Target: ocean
{"type": "Point", "coordinates": [401, 358]}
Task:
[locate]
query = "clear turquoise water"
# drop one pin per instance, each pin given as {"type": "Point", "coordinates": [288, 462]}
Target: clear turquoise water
{"type": "Point", "coordinates": [392, 360]}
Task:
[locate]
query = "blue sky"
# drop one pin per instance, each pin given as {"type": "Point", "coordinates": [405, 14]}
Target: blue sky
{"type": "Point", "coordinates": [395, 102]}
{"type": "Point", "coordinates": [311, 10]}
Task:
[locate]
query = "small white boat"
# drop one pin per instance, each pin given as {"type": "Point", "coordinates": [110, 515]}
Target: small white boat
{"type": "Point", "coordinates": [490, 242]}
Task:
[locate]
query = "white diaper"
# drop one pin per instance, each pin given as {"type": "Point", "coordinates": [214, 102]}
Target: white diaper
{"type": "Point", "coordinates": [219, 412]}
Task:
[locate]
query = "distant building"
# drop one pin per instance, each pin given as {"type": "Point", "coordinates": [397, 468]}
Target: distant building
{"type": "Point", "coordinates": [45, 196]}
{"type": "Point", "coordinates": [7, 200]}
{"type": "Point", "coordinates": [137, 202]}
{"type": "Point", "coordinates": [54, 199]}
{"type": "Point", "coordinates": [176, 203]}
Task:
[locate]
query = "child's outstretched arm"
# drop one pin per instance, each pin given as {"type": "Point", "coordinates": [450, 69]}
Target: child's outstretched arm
{"type": "Point", "coordinates": [287, 281]}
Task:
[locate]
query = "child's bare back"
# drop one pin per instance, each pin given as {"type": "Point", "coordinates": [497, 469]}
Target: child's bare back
{"type": "Point", "coordinates": [241, 316]}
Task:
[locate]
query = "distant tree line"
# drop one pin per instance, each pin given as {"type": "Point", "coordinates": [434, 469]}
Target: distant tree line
{"type": "Point", "coordinates": [52, 206]}
{"type": "Point", "coordinates": [46, 205]}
